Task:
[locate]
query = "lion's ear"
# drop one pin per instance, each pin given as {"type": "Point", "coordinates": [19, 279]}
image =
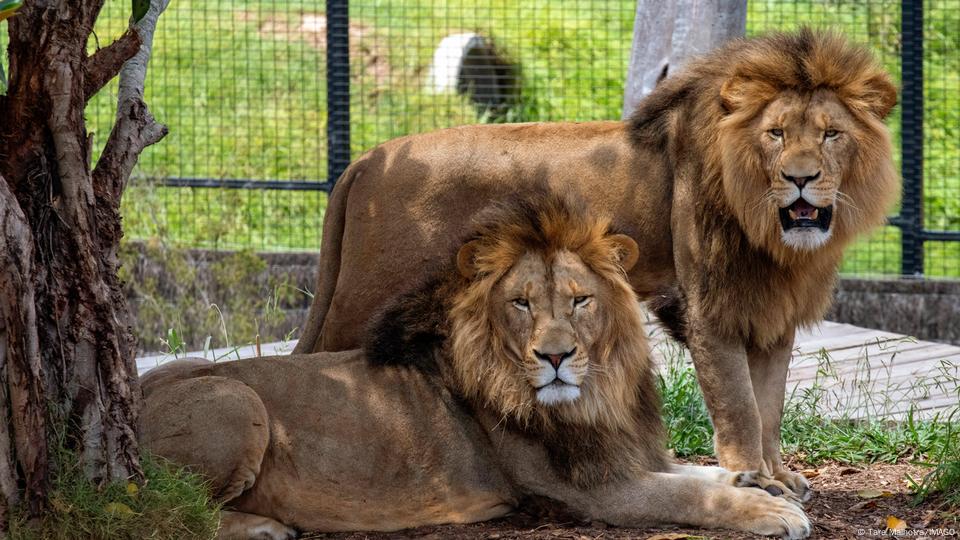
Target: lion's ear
{"type": "Point", "coordinates": [731, 93]}
{"type": "Point", "coordinates": [466, 259]}
{"type": "Point", "coordinates": [737, 92]}
{"type": "Point", "coordinates": [628, 252]}
{"type": "Point", "coordinates": [878, 96]}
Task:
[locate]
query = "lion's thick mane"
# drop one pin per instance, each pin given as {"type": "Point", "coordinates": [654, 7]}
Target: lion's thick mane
{"type": "Point", "coordinates": [446, 328]}
{"type": "Point", "coordinates": [702, 119]}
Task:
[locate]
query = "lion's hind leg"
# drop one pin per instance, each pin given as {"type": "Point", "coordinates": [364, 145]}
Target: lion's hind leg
{"type": "Point", "coordinates": [215, 425]}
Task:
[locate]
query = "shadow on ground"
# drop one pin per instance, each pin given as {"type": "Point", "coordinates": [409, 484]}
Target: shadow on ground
{"type": "Point", "coordinates": [849, 502]}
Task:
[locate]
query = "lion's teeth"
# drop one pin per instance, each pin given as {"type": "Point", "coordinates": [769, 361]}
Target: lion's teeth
{"type": "Point", "coordinates": [793, 214]}
{"type": "Point", "coordinates": [813, 215]}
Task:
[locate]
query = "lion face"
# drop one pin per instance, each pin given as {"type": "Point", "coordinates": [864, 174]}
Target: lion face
{"type": "Point", "coordinates": [550, 308]}
{"type": "Point", "coordinates": [544, 325]}
{"type": "Point", "coordinates": [806, 143]}
{"type": "Point", "coordinates": [801, 148]}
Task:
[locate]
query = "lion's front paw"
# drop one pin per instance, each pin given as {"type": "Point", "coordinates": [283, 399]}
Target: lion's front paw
{"type": "Point", "coordinates": [772, 516]}
{"type": "Point", "coordinates": [243, 526]}
{"type": "Point", "coordinates": [772, 485]}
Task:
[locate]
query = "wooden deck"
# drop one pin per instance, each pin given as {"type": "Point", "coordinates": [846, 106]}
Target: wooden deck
{"type": "Point", "coordinates": [856, 372]}
{"type": "Point", "coordinates": [863, 373]}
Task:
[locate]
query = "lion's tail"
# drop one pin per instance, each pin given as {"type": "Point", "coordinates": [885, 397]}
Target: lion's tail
{"type": "Point", "coordinates": [330, 257]}
{"type": "Point", "coordinates": [670, 307]}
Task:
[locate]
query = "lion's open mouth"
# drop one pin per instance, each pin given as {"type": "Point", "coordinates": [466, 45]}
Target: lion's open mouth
{"type": "Point", "coordinates": [803, 215]}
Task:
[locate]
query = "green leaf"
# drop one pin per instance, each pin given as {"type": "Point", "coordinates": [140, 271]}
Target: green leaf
{"type": "Point", "coordinates": [9, 7]}
{"type": "Point", "coordinates": [140, 8]}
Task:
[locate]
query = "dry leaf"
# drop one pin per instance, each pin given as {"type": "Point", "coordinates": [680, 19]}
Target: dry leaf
{"type": "Point", "coordinates": [60, 506]}
{"type": "Point", "coordinates": [863, 505]}
{"type": "Point", "coordinates": [873, 493]}
{"type": "Point", "coordinates": [118, 509]}
{"type": "Point", "coordinates": [896, 524]}
{"type": "Point", "coordinates": [810, 473]}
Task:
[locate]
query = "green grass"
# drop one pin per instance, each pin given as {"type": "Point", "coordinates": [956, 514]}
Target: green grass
{"type": "Point", "coordinates": [242, 87]}
{"type": "Point", "coordinates": [811, 438]}
{"type": "Point", "coordinates": [944, 479]}
{"type": "Point", "coordinates": [170, 503]}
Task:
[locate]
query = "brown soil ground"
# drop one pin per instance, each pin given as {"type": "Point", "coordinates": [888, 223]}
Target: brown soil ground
{"type": "Point", "coordinates": [365, 47]}
{"type": "Point", "coordinates": [849, 502]}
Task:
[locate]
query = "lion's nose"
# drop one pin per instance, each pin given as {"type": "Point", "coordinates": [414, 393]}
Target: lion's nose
{"type": "Point", "coordinates": [555, 359]}
{"type": "Point", "coordinates": [800, 181]}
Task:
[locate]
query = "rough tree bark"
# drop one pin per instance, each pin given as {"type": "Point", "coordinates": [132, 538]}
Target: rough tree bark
{"type": "Point", "coordinates": [667, 32]}
{"type": "Point", "coordinates": [66, 345]}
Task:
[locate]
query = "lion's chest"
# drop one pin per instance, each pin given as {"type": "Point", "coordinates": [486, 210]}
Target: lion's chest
{"type": "Point", "coordinates": [759, 301]}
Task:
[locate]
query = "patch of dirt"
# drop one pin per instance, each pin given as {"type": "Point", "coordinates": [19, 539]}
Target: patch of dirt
{"type": "Point", "coordinates": [848, 502]}
{"type": "Point", "coordinates": [311, 28]}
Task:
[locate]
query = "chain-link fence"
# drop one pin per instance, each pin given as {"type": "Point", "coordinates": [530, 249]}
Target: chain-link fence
{"type": "Point", "coordinates": [243, 87]}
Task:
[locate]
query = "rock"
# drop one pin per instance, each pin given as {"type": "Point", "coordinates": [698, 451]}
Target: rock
{"type": "Point", "coordinates": [468, 63]}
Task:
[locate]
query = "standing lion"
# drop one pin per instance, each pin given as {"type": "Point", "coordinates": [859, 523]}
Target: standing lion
{"type": "Point", "coordinates": [521, 375]}
{"type": "Point", "coordinates": [741, 178]}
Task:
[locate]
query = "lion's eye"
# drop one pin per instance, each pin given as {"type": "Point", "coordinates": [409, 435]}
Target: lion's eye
{"type": "Point", "coordinates": [521, 303]}
{"type": "Point", "coordinates": [830, 134]}
{"type": "Point", "coordinates": [776, 133]}
{"type": "Point", "coordinates": [581, 301]}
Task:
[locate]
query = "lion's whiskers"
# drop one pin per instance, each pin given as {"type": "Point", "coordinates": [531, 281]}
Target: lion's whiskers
{"type": "Point", "coordinates": [599, 370]}
{"type": "Point", "coordinates": [767, 197]}
{"type": "Point", "coordinates": [847, 202]}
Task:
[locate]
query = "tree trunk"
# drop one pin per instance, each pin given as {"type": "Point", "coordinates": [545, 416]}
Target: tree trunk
{"type": "Point", "coordinates": [67, 371]}
{"type": "Point", "coordinates": [668, 32]}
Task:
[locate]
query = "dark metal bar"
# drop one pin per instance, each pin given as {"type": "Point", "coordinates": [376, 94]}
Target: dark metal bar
{"type": "Point", "coordinates": [943, 236]}
{"type": "Point", "coordinates": [896, 221]}
{"type": "Point", "coordinates": [925, 234]}
{"type": "Point", "coordinates": [911, 142]}
{"type": "Point", "coordinates": [238, 183]}
{"type": "Point", "coordinates": [338, 88]}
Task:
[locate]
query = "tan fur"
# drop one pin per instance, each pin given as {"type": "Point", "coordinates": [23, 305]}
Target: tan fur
{"type": "Point", "coordinates": [460, 432]}
{"type": "Point", "coordinates": [694, 178]}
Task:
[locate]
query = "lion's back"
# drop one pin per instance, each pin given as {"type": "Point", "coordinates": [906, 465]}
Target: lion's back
{"type": "Point", "coordinates": [410, 203]}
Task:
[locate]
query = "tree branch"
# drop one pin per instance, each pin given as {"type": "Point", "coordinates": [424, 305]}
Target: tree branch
{"type": "Point", "coordinates": [20, 357]}
{"type": "Point", "coordinates": [106, 63]}
{"type": "Point", "coordinates": [667, 34]}
{"type": "Point", "coordinates": [135, 128]}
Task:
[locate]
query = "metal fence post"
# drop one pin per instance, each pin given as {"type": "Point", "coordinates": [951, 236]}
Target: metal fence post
{"type": "Point", "coordinates": [911, 141]}
{"type": "Point", "coordinates": [338, 88]}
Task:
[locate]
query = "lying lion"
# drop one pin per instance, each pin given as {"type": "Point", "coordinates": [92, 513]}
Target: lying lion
{"type": "Point", "coordinates": [742, 178]}
{"type": "Point", "coordinates": [525, 375]}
